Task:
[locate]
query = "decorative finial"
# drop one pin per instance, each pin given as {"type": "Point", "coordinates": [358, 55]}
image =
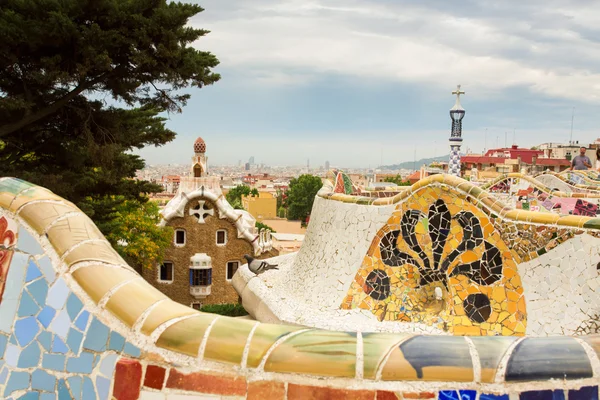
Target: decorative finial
{"type": "Point", "coordinates": [457, 92]}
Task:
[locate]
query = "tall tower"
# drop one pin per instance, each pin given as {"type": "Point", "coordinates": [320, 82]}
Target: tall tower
{"type": "Point", "coordinates": [457, 113]}
{"type": "Point", "coordinates": [199, 167]}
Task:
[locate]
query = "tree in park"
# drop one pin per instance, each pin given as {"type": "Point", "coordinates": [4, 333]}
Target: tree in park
{"type": "Point", "coordinates": [234, 196]}
{"type": "Point", "coordinates": [84, 82]}
{"type": "Point", "coordinates": [301, 196]}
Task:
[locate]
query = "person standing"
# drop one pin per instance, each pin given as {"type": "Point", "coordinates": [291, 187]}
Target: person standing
{"type": "Point", "coordinates": [581, 162]}
{"type": "Point", "coordinates": [598, 159]}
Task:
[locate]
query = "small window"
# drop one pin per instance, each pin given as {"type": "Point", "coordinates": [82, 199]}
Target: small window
{"type": "Point", "coordinates": [197, 306]}
{"type": "Point", "coordinates": [200, 277]}
{"type": "Point", "coordinates": [180, 237]}
{"type": "Point", "coordinates": [165, 272]}
{"type": "Point", "coordinates": [221, 237]}
{"type": "Point", "coordinates": [232, 267]}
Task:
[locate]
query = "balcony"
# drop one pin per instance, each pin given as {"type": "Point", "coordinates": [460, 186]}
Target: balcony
{"type": "Point", "coordinates": [200, 292]}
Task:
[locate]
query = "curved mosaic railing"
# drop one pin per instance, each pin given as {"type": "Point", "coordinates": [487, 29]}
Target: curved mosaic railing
{"type": "Point", "coordinates": [576, 179]}
{"type": "Point", "coordinates": [538, 185]}
{"type": "Point", "coordinates": [76, 321]}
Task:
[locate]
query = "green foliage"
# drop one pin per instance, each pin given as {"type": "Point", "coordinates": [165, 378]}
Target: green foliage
{"type": "Point", "coordinates": [398, 181]}
{"type": "Point", "coordinates": [231, 310]}
{"type": "Point", "coordinates": [235, 195]}
{"type": "Point", "coordinates": [60, 64]}
{"type": "Point", "coordinates": [301, 196]}
{"type": "Point", "coordinates": [260, 225]}
{"type": "Point", "coordinates": [131, 227]}
{"type": "Point", "coordinates": [281, 211]}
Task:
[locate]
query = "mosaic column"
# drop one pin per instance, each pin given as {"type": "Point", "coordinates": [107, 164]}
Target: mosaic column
{"type": "Point", "coordinates": [457, 113]}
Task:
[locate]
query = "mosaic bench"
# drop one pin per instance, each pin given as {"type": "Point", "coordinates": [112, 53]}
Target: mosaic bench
{"type": "Point", "coordinates": [77, 322]}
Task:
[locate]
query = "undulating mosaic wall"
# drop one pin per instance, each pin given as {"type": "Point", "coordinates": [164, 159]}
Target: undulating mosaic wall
{"type": "Point", "coordinates": [76, 322]}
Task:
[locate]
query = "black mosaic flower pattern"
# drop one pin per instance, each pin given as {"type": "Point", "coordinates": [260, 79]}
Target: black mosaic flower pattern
{"type": "Point", "coordinates": [434, 268]}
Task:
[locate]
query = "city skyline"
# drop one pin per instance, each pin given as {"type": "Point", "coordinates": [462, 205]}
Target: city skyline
{"type": "Point", "coordinates": [363, 84]}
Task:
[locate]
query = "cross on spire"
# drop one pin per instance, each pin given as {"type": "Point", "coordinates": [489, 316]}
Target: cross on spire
{"type": "Point", "coordinates": [457, 92]}
{"type": "Point", "coordinates": [200, 212]}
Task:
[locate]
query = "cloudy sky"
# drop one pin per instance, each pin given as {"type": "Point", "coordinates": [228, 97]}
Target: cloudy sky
{"type": "Point", "coordinates": [360, 82]}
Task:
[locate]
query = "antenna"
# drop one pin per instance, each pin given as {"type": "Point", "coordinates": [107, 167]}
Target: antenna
{"type": "Point", "coordinates": [485, 146]}
{"type": "Point", "coordinates": [572, 119]}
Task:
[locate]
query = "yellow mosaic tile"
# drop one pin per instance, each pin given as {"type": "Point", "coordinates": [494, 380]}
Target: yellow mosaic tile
{"type": "Point", "coordinates": [186, 336]}
{"type": "Point", "coordinates": [34, 194]}
{"type": "Point", "coordinates": [227, 340]}
{"type": "Point", "coordinates": [323, 353]}
{"type": "Point", "coordinates": [131, 300]}
{"type": "Point", "coordinates": [97, 280]}
{"type": "Point", "coordinates": [40, 215]}
{"type": "Point", "coordinates": [263, 338]}
{"type": "Point", "coordinates": [10, 188]}
{"type": "Point", "coordinates": [375, 347]}
{"type": "Point", "coordinates": [95, 251]}
{"type": "Point", "coordinates": [163, 312]}
{"type": "Point", "coordinates": [71, 231]}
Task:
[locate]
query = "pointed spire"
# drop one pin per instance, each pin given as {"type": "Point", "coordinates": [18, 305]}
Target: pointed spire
{"type": "Point", "coordinates": [457, 92]}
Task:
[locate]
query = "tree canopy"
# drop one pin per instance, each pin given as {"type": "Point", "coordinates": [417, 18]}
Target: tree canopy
{"type": "Point", "coordinates": [301, 196]}
{"type": "Point", "coordinates": [83, 83]}
{"type": "Point", "coordinates": [234, 196]}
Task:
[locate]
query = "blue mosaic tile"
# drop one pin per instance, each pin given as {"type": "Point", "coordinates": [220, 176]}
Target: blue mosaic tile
{"type": "Point", "coordinates": [75, 385]}
{"type": "Point", "coordinates": [13, 340]}
{"type": "Point", "coordinates": [63, 392]}
{"type": "Point", "coordinates": [448, 395]}
{"type": "Point", "coordinates": [48, 396]}
{"type": "Point", "coordinates": [12, 292]}
{"type": "Point", "coordinates": [82, 321]}
{"type": "Point", "coordinates": [28, 243]}
{"type": "Point", "coordinates": [61, 324]}
{"type": "Point", "coordinates": [81, 364]}
{"type": "Point", "coordinates": [45, 339]}
{"type": "Point", "coordinates": [3, 342]}
{"type": "Point", "coordinates": [26, 330]}
{"type": "Point", "coordinates": [74, 340]}
{"type": "Point", "coordinates": [116, 342]}
{"type": "Point", "coordinates": [542, 395]}
{"type": "Point", "coordinates": [30, 356]}
{"type": "Point", "coordinates": [58, 346]}
{"type": "Point", "coordinates": [55, 362]}
{"type": "Point", "coordinates": [16, 381]}
{"type": "Point", "coordinates": [131, 350]}
{"type": "Point", "coordinates": [39, 291]}
{"type": "Point", "coordinates": [585, 393]}
{"type": "Point", "coordinates": [529, 360]}
{"type": "Point", "coordinates": [74, 305]}
{"type": "Point", "coordinates": [32, 271]}
{"type": "Point", "coordinates": [97, 358]}
{"type": "Point", "coordinates": [88, 389]}
{"type": "Point", "coordinates": [457, 395]}
{"type": "Point", "coordinates": [46, 316]}
{"type": "Point", "coordinates": [97, 336]}
{"type": "Point", "coordinates": [485, 396]}
{"type": "Point", "coordinates": [47, 269]}
{"type": "Point", "coordinates": [12, 355]}
{"type": "Point", "coordinates": [30, 396]}
{"type": "Point", "coordinates": [108, 365]}
{"type": "Point", "coordinates": [57, 295]}
{"type": "Point", "coordinates": [28, 306]}
{"type": "Point", "coordinates": [103, 386]}
{"type": "Point", "coordinates": [3, 375]}
{"type": "Point", "coordinates": [41, 380]}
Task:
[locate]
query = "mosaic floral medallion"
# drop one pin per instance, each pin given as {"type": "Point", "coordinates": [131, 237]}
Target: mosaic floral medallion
{"type": "Point", "coordinates": [439, 260]}
{"type": "Point", "coordinates": [8, 238]}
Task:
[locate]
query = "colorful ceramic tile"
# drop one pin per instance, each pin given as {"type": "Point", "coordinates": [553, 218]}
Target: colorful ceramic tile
{"type": "Point", "coordinates": [490, 351]}
{"type": "Point", "coordinates": [130, 301]}
{"type": "Point", "coordinates": [375, 347]}
{"type": "Point", "coordinates": [548, 358]}
{"type": "Point", "coordinates": [227, 340]}
{"type": "Point", "coordinates": [542, 395]}
{"type": "Point", "coordinates": [163, 312]}
{"type": "Point", "coordinates": [97, 280]}
{"type": "Point", "coordinates": [71, 231]}
{"type": "Point", "coordinates": [314, 352]}
{"type": "Point", "coordinates": [430, 358]}
{"type": "Point", "coordinates": [186, 336]}
{"type": "Point", "coordinates": [264, 337]}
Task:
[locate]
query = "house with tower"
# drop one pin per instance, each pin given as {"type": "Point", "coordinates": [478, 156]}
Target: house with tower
{"type": "Point", "coordinates": [210, 239]}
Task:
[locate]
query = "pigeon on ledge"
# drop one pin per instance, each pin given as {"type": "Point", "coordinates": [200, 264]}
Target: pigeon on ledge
{"type": "Point", "coordinates": [258, 266]}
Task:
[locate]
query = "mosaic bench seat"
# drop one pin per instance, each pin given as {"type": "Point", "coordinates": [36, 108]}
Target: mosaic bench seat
{"type": "Point", "coordinates": [77, 322]}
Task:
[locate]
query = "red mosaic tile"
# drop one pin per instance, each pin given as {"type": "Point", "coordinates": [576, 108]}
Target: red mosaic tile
{"type": "Point", "coordinates": [301, 392]}
{"type": "Point", "coordinates": [155, 377]}
{"type": "Point", "coordinates": [128, 379]}
{"type": "Point", "coordinates": [419, 396]}
{"type": "Point", "coordinates": [266, 390]}
{"type": "Point", "coordinates": [382, 395]}
{"type": "Point", "coordinates": [206, 383]}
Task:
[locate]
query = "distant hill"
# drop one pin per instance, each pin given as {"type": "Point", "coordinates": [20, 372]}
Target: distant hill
{"type": "Point", "coordinates": [417, 164]}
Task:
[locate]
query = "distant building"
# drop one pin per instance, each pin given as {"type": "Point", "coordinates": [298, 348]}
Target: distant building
{"type": "Point", "coordinates": [262, 207]}
{"type": "Point", "coordinates": [251, 160]}
{"type": "Point", "coordinates": [247, 166]}
{"type": "Point", "coordinates": [513, 159]}
{"type": "Point", "coordinates": [209, 241]}
{"type": "Point", "coordinates": [326, 165]}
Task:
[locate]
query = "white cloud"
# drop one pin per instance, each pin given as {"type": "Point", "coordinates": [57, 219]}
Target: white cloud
{"type": "Point", "coordinates": [544, 46]}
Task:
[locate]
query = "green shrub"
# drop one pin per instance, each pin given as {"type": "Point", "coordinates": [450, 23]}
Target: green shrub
{"type": "Point", "coordinates": [230, 310]}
